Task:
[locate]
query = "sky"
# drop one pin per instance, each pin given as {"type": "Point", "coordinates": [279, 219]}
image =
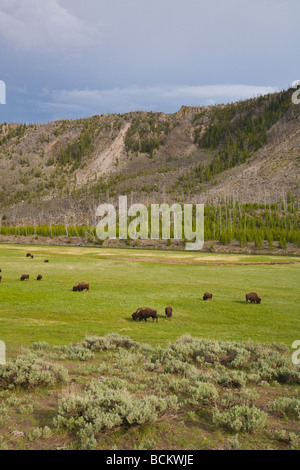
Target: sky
{"type": "Point", "coordinates": [66, 59]}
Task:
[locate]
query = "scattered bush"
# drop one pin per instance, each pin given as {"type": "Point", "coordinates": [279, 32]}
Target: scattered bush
{"type": "Point", "coordinates": [39, 433]}
{"type": "Point", "coordinates": [3, 445]}
{"type": "Point", "coordinates": [240, 418]}
{"type": "Point", "coordinates": [31, 372]}
{"type": "Point", "coordinates": [108, 342]}
{"type": "Point", "coordinates": [286, 407]}
{"type": "Point", "coordinates": [233, 442]}
{"type": "Point", "coordinates": [103, 407]}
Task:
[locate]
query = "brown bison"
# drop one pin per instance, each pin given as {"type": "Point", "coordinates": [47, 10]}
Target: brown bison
{"type": "Point", "coordinates": [207, 296]}
{"type": "Point", "coordinates": [168, 311]}
{"type": "Point", "coordinates": [24, 277]}
{"type": "Point", "coordinates": [39, 278]}
{"type": "Point", "coordinates": [31, 256]}
{"type": "Point", "coordinates": [253, 298]}
{"type": "Point", "coordinates": [46, 261]}
{"type": "Point", "coordinates": [144, 313]}
{"type": "Point", "coordinates": [81, 286]}
{"type": "Point", "coordinates": [28, 255]}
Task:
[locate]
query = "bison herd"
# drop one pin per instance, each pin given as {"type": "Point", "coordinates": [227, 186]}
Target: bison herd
{"type": "Point", "coordinates": [142, 313]}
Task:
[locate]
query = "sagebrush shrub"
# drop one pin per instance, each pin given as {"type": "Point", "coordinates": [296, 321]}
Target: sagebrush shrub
{"type": "Point", "coordinates": [4, 415]}
{"type": "Point", "coordinates": [3, 445]}
{"type": "Point", "coordinates": [31, 372]}
{"type": "Point", "coordinates": [239, 397]}
{"type": "Point", "coordinates": [232, 379]}
{"type": "Point", "coordinates": [240, 418]}
{"type": "Point", "coordinates": [108, 342]}
{"type": "Point", "coordinates": [202, 394]}
{"type": "Point", "coordinates": [79, 353]}
{"type": "Point", "coordinates": [103, 407]}
{"type": "Point", "coordinates": [286, 406]}
{"type": "Point", "coordinates": [233, 442]}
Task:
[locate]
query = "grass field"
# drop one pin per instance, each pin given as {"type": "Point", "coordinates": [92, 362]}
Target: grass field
{"type": "Point", "coordinates": [123, 280]}
{"type": "Point", "coordinates": [193, 394]}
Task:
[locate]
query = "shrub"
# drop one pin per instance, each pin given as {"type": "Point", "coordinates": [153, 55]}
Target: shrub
{"type": "Point", "coordinates": [239, 397]}
{"type": "Point", "coordinates": [103, 407]}
{"type": "Point", "coordinates": [202, 394]}
{"type": "Point", "coordinates": [232, 379]}
{"type": "Point", "coordinates": [176, 366]}
{"type": "Point", "coordinates": [14, 401]}
{"type": "Point", "coordinates": [31, 372]}
{"type": "Point", "coordinates": [233, 442]}
{"type": "Point", "coordinates": [3, 445]}
{"type": "Point", "coordinates": [79, 353]}
{"type": "Point", "coordinates": [294, 441]}
{"type": "Point", "coordinates": [111, 341]}
{"type": "Point", "coordinates": [280, 435]}
{"type": "Point", "coordinates": [286, 407]}
{"type": "Point", "coordinates": [240, 418]}
{"type": "Point", "coordinates": [35, 434]}
{"type": "Point", "coordinates": [39, 433]}
{"type": "Point", "coordinates": [4, 415]}
{"type": "Point", "coordinates": [40, 346]}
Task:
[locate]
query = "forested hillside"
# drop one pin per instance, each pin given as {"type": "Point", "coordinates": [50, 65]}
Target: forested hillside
{"type": "Point", "coordinates": [234, 155]}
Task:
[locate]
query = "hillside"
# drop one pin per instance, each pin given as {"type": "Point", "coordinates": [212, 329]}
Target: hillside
{"type": "Point", "coordinates": [59, 172]}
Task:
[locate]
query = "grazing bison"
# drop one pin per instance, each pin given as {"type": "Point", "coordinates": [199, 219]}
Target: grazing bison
{"type": "Point", "coordinates": [253, 298]}
{"type": "Point", "coordinates": [31, 256]}
{"type": "Point", "coordinates": [28, 255]}
{"type": "Point", "coordinates": [207, 296]}
{"type": "Point", "coordinates": [24, 277]}
{"type": "Point", "coordinates": [81, 286]}
{"type": "Point", "coordinates": [168, 311]}
{"type": "Point", "coordinates": [46, 261]}
{"type": "Point", "coordinates": [144, 313]}
{"type": "Point", "coordinates": [39, 278]}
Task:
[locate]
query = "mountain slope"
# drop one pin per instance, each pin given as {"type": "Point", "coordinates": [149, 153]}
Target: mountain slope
{"type": "Point", "coordinates": [61, 171]}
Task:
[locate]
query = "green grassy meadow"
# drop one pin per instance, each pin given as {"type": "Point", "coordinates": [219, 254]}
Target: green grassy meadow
{"type": "Point", "coordinates": [122, 281]}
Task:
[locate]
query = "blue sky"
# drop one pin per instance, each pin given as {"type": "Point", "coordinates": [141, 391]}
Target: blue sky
{"type": "Point", "coordinates": [76, 58]}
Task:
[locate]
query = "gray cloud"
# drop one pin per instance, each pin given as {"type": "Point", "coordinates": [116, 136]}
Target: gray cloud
{"type": "Point", "coordinates": [112, 55]}
{"type": "Point", "coordinates": [167, 98]}
{"type": "Point", "coordinates": [42, 25]}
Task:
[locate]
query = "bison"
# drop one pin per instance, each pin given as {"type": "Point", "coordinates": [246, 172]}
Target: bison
{"type": "Point", "coordinates": [39, 278]}
{"type": "Point", "coordinates": [24, 277]}
{"type": "Point", "coordinates": [81, 286]}
{"type": "Point", "coordinates": [31, 256]}
{"type": "Point", "coordinates": [46, 261]}
{"type": "Point", "coordinates": [0, 278]}
{"type": "Point", "coordinates": [168, 311]}
{"type": "Point", "coordinates": [207, 296]}
{"type": "Point", "coordinates": [28, 255]}
{"type": "Point", "coordinates": [253, 298]}
{"type": "Point", "coordinates": [144, 313]}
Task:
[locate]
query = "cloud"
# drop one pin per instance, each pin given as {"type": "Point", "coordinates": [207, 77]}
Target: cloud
{"type": "Point", "coordinates": [167, 98]}
{"type": "Point", "coordinates": [41, 25]}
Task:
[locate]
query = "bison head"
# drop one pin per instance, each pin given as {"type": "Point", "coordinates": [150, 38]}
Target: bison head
{"type": "Point", "coordinates": [134, 316]}
{"type": "Point", "coordinates": [258, 300]}
{"type": "Point", "coordinates": [75, 288]}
